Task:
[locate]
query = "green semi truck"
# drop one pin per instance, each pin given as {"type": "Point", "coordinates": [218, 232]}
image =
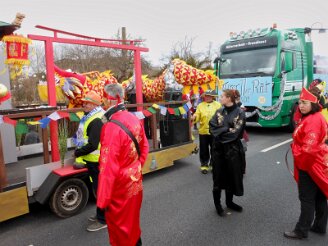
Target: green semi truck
{"type": "Point", "coordinates": [269, 67]}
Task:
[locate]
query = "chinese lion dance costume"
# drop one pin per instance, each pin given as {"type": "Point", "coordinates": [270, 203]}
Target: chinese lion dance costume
{"type": "Point", "coordinates": [74, 86]}
{"type": "Point", "coordinates": [179, 76]}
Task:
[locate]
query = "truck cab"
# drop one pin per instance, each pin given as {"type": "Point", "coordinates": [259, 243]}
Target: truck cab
{"type": "Point", "coordinates": [269, 67]}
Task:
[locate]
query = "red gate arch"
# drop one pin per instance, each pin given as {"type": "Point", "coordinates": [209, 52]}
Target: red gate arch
{"type": "Point", "coordinates": [89, 41]}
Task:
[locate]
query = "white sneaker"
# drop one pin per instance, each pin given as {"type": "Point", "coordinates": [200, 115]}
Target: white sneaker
{"type": "Point", "coordinates": [96, 226]}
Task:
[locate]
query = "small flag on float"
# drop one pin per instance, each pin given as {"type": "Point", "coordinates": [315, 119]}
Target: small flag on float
{"type": "Point", "coordinates": [163, 110]}
{"type": "Point", "coordinates": [54, 116]}
{"type": "Point", "coordinates": [139, 115]}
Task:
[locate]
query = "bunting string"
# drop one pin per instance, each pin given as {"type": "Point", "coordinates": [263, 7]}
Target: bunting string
{"type": "Point", "coordinates": [76, 117]}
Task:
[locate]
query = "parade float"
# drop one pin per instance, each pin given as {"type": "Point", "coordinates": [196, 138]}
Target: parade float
{"type": "Point", "coordinates": [54, 181]}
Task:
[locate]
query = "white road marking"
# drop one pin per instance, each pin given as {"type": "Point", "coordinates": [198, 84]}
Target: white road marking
{"type": "Point", "coordinates": [276, 145]}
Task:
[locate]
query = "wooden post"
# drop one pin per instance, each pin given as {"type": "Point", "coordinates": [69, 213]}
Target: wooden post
{"type": "Point", "coordinates": [124, 53]}
{"type": "Point", "coordinates": [46, 158]}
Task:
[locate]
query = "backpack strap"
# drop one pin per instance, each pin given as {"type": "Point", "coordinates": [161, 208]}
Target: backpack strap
{"type": "Point", "coordinates": [127, 131]}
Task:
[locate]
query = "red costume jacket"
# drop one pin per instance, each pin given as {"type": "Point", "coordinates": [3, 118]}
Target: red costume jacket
{"type": "Point", "coordinates": [120, 178]}
{"type": "Point", "coordinates": [310, 151]}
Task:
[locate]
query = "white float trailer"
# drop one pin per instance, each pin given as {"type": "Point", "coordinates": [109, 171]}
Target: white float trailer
{"type": "Point", "coordinates": [64, 188]}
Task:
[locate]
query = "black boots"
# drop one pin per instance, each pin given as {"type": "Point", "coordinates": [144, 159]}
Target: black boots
{"type": "Point", "coordinates": [231, 204]}
{"type": "Point", "coordinates": [217, 202]}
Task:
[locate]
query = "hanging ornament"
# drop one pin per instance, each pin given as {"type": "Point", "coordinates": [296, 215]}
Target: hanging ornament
{"type": "Point", "coordinates": [4, 93]}
{"type": "Point", "coordinates": [17, 51]}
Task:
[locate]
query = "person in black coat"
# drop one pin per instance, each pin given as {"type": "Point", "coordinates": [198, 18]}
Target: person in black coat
{"type": "Point", "coordinates": [226, 127]}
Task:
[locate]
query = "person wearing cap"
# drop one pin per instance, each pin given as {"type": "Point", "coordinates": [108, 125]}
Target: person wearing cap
{"type": "Point", "coordinates": [87, 139]}
{"type": "Point", "coordinates": [124, 150]}
{"type": "Point", "coordinates": [310, 167]}
{"type": "Point", "coordinates": [204, 112]}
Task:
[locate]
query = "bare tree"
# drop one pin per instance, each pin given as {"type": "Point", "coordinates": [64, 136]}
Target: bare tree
{"type": "Point", "coordinates": [184, 50]}
{"type": "Point", "coordinates": [82, 58]}
{"type": "Point", "coordinates": [37, 58]}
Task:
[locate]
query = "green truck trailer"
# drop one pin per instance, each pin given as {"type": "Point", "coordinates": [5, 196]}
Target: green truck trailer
{"type": "Point", "coordinates": [269, 67]}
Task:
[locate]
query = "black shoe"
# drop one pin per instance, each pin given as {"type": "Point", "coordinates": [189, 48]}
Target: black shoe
{"type": "Point", "coordinates": [293, 235]}
{"type": "Point", "coordinates": [217, 202]}
{"type": "Point", "coordinates": [221, 212]}
{"type": "Point", "coordinates": [318, 231]}
{"type": "Point", "coordinates": [235, 207]}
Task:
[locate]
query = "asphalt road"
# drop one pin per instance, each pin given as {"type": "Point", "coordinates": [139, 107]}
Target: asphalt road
{"type": "Point", "coordinates": [178, 208]}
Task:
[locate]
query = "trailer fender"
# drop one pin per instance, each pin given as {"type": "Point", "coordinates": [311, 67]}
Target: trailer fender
{"type": "Point", "coordinates": [55, 178]}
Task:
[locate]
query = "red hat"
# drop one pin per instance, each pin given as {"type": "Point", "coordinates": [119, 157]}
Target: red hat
{"type": "Point", "coordinates": [314, 83]}
{"type": "Point", "coordinates": [308, 96]}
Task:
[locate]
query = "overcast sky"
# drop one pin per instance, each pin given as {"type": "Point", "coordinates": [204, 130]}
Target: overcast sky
{"type": "Point", "coordinates": [164, 23]}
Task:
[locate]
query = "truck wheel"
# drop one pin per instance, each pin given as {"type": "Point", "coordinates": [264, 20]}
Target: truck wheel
{"type": "Point", "coordinates": [69, 198]}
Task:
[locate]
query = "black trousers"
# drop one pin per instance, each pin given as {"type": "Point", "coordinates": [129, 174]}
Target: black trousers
{"type": "Point", "coordinates": [93, 170]}
{"type": "Point", "coordinates": [205, 143]}
{"type": "Point", "coordinates": [139, 243]}
{"type": "Point", "coordinates": [227, 167]}
{"type": "Point", "coordinates": [313, 205]}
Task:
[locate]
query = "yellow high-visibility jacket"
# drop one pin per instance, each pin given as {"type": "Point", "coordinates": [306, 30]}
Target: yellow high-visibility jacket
{"type": "Point", "coordinates": [204, 113]}
{"type": "Point", "coordinates": [94, 155]}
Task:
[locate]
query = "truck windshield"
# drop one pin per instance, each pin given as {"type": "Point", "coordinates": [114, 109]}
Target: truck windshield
{"type": "Point", "coordinates": [248, 63]}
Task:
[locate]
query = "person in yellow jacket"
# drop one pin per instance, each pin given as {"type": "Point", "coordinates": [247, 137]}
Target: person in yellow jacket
{"type": "Point", "coordinates": [204, 112]}
{"type": "Point", "coordinates": [87, 140]}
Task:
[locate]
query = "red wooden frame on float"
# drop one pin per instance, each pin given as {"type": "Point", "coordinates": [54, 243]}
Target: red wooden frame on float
{"type": "Point", "coordinates": [90, 41]}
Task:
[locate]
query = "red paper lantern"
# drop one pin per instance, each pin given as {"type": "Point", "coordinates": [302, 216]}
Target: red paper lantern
{"type": "Point", "coordinates": [17, 50]}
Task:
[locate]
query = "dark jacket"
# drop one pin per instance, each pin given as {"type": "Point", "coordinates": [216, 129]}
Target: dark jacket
{"type": "Point", "coordinates": [227, 118]}
{"type": "Point", "coordinates": [226, 127]}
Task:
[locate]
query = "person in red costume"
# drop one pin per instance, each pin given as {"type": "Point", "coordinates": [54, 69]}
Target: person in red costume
{"type": "Point", "coordinates": [310, 167]}
{"type": "Point", "coordinates": [121, 160]}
